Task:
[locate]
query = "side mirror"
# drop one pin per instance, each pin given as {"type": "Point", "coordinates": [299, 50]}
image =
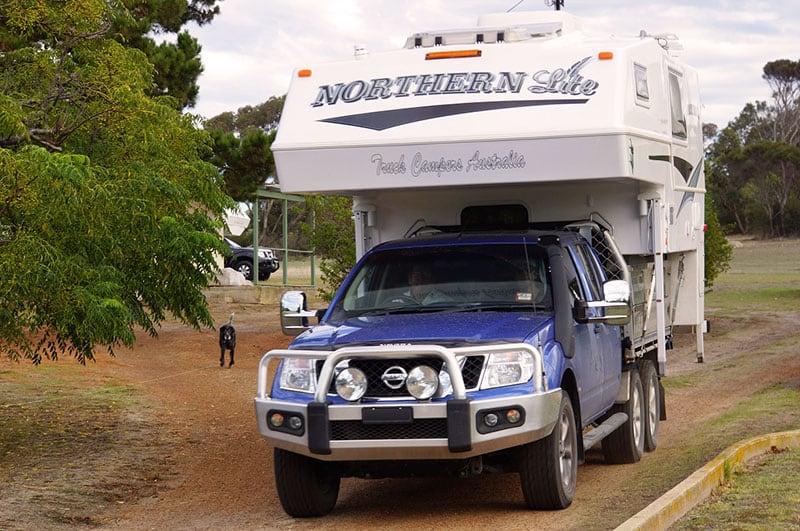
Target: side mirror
{"type": "Point", "coordinates": [616, 291]}
{"type": "Point", "coordinates": [616, 303]}
{"type": "Point", "coordinates": [617, 295]}
{"type": "Point", "coordinates": [295, 313]}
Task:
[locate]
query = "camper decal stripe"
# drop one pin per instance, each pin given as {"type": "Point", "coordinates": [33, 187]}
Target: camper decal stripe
{"type": "Point", "coordinates": [382, 120]}
{"type": "Point", "coordinates": [690, 174]}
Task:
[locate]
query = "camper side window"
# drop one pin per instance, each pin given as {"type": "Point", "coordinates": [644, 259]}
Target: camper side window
{"type": "Point", "coordinates": [640, 79]}
{"type": "Point", "coordinates": [676, 103]}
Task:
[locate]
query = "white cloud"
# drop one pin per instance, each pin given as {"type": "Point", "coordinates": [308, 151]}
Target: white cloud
{"type": "Point", "coordinates": [252, 47]}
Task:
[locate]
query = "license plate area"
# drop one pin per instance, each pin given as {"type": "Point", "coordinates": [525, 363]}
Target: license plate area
{"type": "Point", "coordinates": [387, 415]}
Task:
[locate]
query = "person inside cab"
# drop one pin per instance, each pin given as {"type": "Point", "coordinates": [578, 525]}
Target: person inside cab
{"type": "Point", "coordinates": [422, 287]}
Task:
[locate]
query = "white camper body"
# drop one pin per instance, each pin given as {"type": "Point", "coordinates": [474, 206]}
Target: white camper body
{"type": "Point", "coordinates": [523, 109]}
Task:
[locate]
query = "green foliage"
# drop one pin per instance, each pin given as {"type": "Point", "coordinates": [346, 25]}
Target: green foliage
{"type": "Point", "coordinates": [178, 67]}
{"type": "Point", "coordinates": [246, 162]}
{"type": "Point", "coordinates": [264, 116]}
{"type": "Point", "coordinates": [333, 240]}
{"type": "Point", "coordinates": [106, 203]}
{"type": "Point", "coordinates": [177, 63]}
{"type": "Point", "coordinates": [717, 249]}
{"type": "Point", "coordinates": [754, 162]}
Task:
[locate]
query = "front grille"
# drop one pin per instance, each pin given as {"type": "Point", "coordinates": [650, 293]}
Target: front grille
{"type": "Point", "coordinates": [375, 368]}
{"type": "Point", "coordinates": [355, 430]}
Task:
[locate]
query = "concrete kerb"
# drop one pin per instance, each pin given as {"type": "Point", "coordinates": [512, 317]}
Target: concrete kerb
{"type": "Point", "coordinates": [683, 497]}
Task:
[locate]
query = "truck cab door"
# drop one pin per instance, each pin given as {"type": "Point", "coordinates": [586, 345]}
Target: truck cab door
{"type": "Point", "coordinates": [588, 361]}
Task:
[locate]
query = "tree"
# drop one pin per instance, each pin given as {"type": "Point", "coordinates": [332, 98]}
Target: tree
{"type": "Point", "coordinates": [107, 207]}
{"type": "Point", "coordinates": [783, 77]}
{"type": "Point", "coordinates": [177, 64]}
{"type": "Point", "coordinates": [246, 162]}
{"type": "Point", "coordinates": [718, 252]}
{"type": "Point", "coordinates": [333, 240]}
{"type": "Point", "coordinates": [264, 116]}
{"type": "Point", "coordinates": [752, 171]}
{"type": "Point", "coordinates": [772, 167]}
{"type": "Point", "coordinates": [242, 150]}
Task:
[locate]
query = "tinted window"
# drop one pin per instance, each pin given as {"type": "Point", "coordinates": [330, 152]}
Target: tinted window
{"type": "Point", "coordinates": [446, 277]}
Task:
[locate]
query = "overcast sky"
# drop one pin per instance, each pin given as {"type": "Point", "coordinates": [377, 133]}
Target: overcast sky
{"type": "Point", "coordinates": [251, 48]}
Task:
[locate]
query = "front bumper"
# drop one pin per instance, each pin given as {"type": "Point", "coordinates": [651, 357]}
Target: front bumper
{"type": "Point", "coordinates": [269, 265]}
{"type": "Point", "coordinates": [408, 429]}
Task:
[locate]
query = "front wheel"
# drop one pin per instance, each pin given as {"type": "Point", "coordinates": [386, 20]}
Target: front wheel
{"type": "Point", "coordinates": [548, 468]}
{"type": "Point", "coordinates": [306, 486]}
{"type": "Point", "coordinates": [245, 267]}
{"type": "Point", "coordinates": [626, 443]}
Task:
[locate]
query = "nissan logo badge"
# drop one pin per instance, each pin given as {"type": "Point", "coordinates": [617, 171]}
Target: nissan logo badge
{"type": "Point", "coordinates": [394, 377]}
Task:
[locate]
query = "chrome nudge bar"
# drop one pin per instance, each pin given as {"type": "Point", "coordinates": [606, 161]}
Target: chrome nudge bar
{"type": "Point", "coordinates": [448, 355]}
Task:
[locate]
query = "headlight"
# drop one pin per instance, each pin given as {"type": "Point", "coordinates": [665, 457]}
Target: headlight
{"type": "Point", "coordinates": [299, 374]}
{"type": "Point", "coordinates": [351, 384]}
{"type": "Point", "coordinates": [445, 383]}
{"type": "Point", "coordinates": [422, 382]}
{"type": "Point", "coordinates": [507, 368]}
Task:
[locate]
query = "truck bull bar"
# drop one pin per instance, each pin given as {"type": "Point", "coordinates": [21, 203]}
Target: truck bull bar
{"type": "Point", "coordinates": [457, 407]}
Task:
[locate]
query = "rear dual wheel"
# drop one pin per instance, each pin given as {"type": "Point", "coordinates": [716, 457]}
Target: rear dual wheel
{"type": "Point", "coordinates": [652, 400]}
{"type": "Point", "coordinates": [626, 443]}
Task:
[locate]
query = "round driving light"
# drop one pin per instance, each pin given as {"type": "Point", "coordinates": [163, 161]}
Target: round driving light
{"type": "Point", "coordinates": [295, 423]}
{"type": "Point", "coordinates": [351, 384]}
{"type": "Point", "coordinates": [422, 382]}
{"type": "Point", "coordinates": [513, 416]}
{"type": "Point", "coordinates": [276, 419]}
{"type": "Point", "coordinates": [491, 420]}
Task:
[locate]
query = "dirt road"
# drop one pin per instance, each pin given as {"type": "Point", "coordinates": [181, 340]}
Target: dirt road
{"type": "Point", "coordinates": [214, 471]}
{"type": "Point", "coordinates": [224, 468]}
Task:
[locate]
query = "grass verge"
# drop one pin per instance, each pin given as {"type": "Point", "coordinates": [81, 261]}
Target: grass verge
{"type": "Point", "coordinates": [765, 493]}
{"type": "Point", "coordinates": [75, 445]}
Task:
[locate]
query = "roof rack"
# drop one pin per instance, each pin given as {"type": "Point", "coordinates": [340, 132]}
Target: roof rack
{"type": "Point", "coordinates": [486, 35]}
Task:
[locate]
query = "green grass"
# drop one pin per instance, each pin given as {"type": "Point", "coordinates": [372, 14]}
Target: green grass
{"type": "Point", "coordinates": [764, 280]}
{"type": "Point", "coordinates": [764, 494]}
{"type": "Point", "coordinates": [764, 277]}
{"type": "Point", "coordinates": [298, 272]}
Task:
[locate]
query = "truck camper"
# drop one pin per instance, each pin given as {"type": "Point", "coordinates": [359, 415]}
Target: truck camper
{"type": "Point", "coordinates": [528, 202]}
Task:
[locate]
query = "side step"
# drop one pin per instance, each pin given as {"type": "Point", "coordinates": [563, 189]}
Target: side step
{"type": "Point", "coordinates": [604, 430]}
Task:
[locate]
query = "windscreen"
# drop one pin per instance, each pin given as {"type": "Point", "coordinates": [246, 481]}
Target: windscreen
{"type": "Point", "coordinates": [485, 277]}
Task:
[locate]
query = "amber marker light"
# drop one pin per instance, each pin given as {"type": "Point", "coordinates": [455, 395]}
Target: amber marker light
{"type": "Point", "coordinates": [304, 73]}
{"type": "Point", "coordinates": [452, 55]}
{"type": "Point", "coordinates": [605, 56]}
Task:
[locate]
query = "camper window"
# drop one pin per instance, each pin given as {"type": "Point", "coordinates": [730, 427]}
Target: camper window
{"type": "Point", "coordinates": [640, 77]}
{"type": "Point", "coordinates": [676, 102]}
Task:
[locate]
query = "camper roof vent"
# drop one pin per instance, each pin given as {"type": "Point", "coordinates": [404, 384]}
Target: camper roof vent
{"type": "Point", "coordinates": [489, 35]}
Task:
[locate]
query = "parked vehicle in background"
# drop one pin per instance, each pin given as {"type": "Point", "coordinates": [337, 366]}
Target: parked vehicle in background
{"type": "Point", "coordinates": [241, 259]}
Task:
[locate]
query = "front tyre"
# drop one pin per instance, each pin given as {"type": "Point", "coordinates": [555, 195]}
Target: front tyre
{"type": "Point", "coordinates": [548, 468]}
{"type": "Point", "coordinates": [652, 401]}
{"type": "Point", "coordinates": [245, 267]}
{"type": "Point", "coordinates": [626, 443]}
{"type": "Point", "coordinates": [306, 486]}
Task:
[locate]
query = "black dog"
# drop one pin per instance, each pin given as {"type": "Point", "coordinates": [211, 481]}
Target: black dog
{"type": "Point", "coordinates": [227, 341]}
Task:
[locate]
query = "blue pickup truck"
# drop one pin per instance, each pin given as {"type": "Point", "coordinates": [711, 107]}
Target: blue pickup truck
{"type": "Point", "coordinates": [459, 353]}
